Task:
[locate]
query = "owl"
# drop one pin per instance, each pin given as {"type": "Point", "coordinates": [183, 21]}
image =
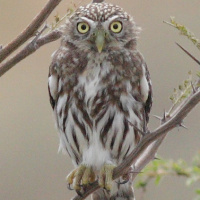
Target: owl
{"type": "Point", "coordinates": [101, 95]}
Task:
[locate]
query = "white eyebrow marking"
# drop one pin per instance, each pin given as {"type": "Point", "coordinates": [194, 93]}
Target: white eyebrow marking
{"type": "Point", "coordinates": [87, 20]}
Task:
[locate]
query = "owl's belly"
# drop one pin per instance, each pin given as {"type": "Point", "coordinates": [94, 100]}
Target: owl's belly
{"type": "Point", "coordinates": [96, 137]}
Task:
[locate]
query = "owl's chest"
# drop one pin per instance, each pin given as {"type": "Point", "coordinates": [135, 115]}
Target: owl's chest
{"type": "Point", "coordinates": [92, 82]}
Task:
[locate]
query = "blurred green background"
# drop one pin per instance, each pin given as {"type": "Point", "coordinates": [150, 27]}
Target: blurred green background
{"type": "Point", "coordinates": [30, 167]}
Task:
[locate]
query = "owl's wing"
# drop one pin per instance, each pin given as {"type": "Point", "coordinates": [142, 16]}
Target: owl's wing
{"type": "Point", "coordinates": [53, 82]}
{"type": "Point", "coordinates": [148, 103]}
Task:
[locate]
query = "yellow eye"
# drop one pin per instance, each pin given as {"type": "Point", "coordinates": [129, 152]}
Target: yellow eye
{"type": "Point", "coordinates": [116, 27]}
{"type": "Point", "coordinates": [83, 27]}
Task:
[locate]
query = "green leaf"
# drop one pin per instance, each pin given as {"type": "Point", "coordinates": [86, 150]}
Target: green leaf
{"type": "Point", "coordinates": [141, 184]}
{"type": "Point", "coordinates": [198, 191]}
{"type": "Point", "coordinates": [198, 74]}
{"type": "Point", "coordinates": [157, 180]}
{"type": "Point", "coordinates": [184, 31]}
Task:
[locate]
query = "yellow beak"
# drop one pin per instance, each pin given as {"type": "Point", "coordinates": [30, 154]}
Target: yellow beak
{"type": "Point", "coordinates": [100, 40]}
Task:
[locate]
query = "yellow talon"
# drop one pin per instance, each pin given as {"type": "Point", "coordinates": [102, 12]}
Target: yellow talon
{"type": "Point", "coordinates": [88, 176]}
{"type": "Point", "coordinates": [105, 177]}
{"type": "Point", "coordinates": [92, 177]}
{"type": "Point", "coordinates": [71, 176]}
{"type": "Point", "coordinates": [78, 177]}
{"type": "Point", "coordinates": [83, 175]}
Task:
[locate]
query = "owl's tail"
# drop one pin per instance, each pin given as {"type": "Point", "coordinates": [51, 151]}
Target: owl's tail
{"type": "Point", "coordinates": [120, 192]}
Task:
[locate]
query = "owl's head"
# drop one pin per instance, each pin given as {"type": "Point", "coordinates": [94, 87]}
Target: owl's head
{"type": "Point", "coordinates": [101, 27]}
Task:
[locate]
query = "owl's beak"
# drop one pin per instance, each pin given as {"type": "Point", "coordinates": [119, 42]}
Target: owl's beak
{"type": "Point", "coordinates": [100, 40]}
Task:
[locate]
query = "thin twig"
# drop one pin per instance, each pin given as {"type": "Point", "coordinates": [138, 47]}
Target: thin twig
{"type": "Point", "coordinates": [184, 31]}
{"type": "Point", "coordinates": [146, 149]}
{"type": "Point", "coordinates": [29, 30]}
{"type": "Point", "coordinates": [178, 100]}
{"type": "Point", "coordinates": [189, 54]}
{"type": "Point", "coordinates": [29, 49]}
{"type": "Point", "coordinates": [98, 1]}
{"type": "Point", "coordinates": [169, 23]}
{"type": "Point", "coordinates": [39, 33]}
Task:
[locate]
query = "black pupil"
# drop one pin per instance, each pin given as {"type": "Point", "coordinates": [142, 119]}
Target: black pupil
{"type": "Point", "coordinates": [115, 26]}
{"type": "Point", "coordinates": [83, 27]}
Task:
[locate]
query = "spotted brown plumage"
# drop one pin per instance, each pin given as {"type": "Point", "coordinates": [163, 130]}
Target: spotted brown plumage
{"type": "Point", "coordinates": [101, 95]}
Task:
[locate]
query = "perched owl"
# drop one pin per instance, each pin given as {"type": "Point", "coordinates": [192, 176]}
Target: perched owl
{"type": "Point", "coordinates": [100, 92]}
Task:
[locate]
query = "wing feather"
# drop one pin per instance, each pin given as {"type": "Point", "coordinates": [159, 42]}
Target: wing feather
{"type": "Point", "coordinates": [148, 103]}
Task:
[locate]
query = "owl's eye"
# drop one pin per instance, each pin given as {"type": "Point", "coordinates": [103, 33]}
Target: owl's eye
{"type": "Point", "coordinates": [116, 27]}
{"type": "Point", "coordinates": [83, 27]}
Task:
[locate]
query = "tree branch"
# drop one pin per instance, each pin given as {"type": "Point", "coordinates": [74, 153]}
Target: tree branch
{"type": "Point", "coordinates": [189, 54]}
{"type": "Point", "coordinates": [146, 149]}
{"type": "Point", "coordinates": [30, 30]}
{"type": "Point", "coordinates": [29, 49]}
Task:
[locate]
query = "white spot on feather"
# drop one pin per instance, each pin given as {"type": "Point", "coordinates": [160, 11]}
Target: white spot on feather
{"type": "Point", "coordinates": [53, 81]}
{"type": "Point", "coordinates": [144, 85]}
{"type": "Point", "coordinates": [61, 102]}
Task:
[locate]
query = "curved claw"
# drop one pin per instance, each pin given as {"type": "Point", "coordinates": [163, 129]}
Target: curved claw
{"type": "Point", "coordinates": [69, 187]}
{"type": "Point", "coordinates": [92, 183]}
{"type": "Point", "coordinates": [122, 183]}
{"type": "Point", "coordinates": [80, 178]}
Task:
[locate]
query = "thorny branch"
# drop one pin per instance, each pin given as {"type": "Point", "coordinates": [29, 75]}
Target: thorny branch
{"type": "Point", "coordinates": [30, 30]}
{"type": "Point", "coordinates": [30, 48]}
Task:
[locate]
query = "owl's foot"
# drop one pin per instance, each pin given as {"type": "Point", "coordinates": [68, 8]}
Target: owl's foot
{"type": "Point", "coordinates": [81, 176]}
{"type": "Point", "coordinates": [105, 176]}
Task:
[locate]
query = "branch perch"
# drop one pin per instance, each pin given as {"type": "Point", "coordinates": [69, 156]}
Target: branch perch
{"type": "Point", "coordinates": [30, 30]}
{"type": "Point", "coordinates": [30, 48]}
